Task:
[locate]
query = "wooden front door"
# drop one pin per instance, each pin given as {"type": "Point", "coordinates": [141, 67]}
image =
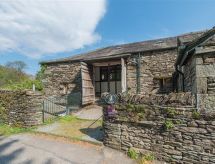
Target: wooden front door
{"type": "Point", "coordinates": [88, 91]}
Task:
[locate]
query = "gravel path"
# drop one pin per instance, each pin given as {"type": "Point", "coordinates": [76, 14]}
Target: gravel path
{"type": "Point", "coordinates": [35, 149]}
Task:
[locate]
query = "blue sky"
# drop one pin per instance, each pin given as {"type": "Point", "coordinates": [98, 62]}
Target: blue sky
{"type": "Point", "coordinates": [111, 22]}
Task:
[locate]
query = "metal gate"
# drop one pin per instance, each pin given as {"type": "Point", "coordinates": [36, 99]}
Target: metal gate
{"type": "Point", "coordinates": [55, 106]}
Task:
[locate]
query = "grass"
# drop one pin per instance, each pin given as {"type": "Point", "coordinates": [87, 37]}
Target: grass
{"type": "Point", "coordinates": [73, 127]}
{"type": "Point", "coordinates": [132, 153]}
{"type": "Point", "coordinates": [146, 159]}
{"type": "Point", "coordinates": [9, 130]}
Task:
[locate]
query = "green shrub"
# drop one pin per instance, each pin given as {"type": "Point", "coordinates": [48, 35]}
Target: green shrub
{"type": "Point", "coordinates": [120, 107]}
{"type": "Point", "coordinates": [132, 153]}
{"type": "Point", "coordinates": [141, 115]}
{"type": "Point", "coordinates": [144, 159]}
{"type": "Point", "coordinates": [196, 115]}
{"type": "Point", "coordinates": [40, 73]}
{"type": "Point", "coordinates": [168, 124]}
{"type": "Point", "coordinates": [149, 157]}
{"type": "Point", "coordinates": [130, 107]}
{"type": "Point", "coordinates": [171, 112]}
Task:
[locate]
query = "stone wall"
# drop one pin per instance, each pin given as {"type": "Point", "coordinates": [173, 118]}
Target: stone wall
{"type": "Point", "coordinates": [174, 135]}
{"type": "Point", "coordinates": [63, 79]}
{"type": "Point", "coordinates": [205, 74]}
{"type": "Point", "coordinates": [21, 108]}
{"type": "Point", "coordinates": [206, 102]}
{"type": "Point", "coordinates": [172, 99]}
{"type": "Point", "coordinates": [155, 65]}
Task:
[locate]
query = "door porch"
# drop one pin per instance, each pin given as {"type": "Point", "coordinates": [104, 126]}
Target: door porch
{"type": "Point", "coordinates": [101, 77]}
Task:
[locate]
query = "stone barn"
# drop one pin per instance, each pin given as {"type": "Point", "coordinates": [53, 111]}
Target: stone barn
{"type": "Point", "coordinates": [148, 67]}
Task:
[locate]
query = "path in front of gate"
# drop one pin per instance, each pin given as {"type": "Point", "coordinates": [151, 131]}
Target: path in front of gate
{"type": "Point", "coordinates": [34, 149]}
{"type": "Point", "coordinates": [87, 126]}
{"type": "Point", "coordinates": [90, 112]}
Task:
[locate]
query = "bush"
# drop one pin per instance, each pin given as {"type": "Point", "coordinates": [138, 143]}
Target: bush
{"type": "Point", "coordinates": [171, 112]}
{"type": "Point", "coordinates": [40, 73]}
{"type": "Point", "coordinates": [130, 107]}
{"type": "Point", "coordinates": [132, 153]}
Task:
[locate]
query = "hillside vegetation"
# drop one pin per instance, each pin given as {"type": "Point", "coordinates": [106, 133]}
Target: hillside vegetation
{"type": "Point", "coordinates": [12, 76]}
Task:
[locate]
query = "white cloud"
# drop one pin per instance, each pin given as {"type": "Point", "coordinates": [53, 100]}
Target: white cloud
{"type": "Point", "coordinates": [40, 27]}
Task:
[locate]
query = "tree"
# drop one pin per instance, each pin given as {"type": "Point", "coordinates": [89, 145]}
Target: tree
{"type": "Point", "coordinates": [17, 65]}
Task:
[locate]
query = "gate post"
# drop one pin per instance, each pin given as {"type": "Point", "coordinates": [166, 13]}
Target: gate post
{"type": "Point", "coordinates": [67, 106]}
{"type": "Point", "coordinates": [43, 113]}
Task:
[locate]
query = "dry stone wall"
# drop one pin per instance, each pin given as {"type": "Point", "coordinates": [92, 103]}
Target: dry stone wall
{"type": "Point", "coordinates": [21, 108]}
{"type": "Point", "coordinates": [174, 135]}
{"type": "Point", "coordinates": [155, 65]}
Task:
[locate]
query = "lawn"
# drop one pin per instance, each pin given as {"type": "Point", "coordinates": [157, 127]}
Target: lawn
{"type": "Point", "coordinates": [75, 128]}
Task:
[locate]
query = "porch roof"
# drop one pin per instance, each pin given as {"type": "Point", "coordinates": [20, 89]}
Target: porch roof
{"type": "Point", "coordinates": [126, 49]}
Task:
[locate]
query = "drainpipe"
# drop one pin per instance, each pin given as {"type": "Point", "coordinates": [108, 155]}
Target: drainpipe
{"type": "Point", "coordinates": [182, 74]}
{"type": "Point", "coordinates": [138, 73]}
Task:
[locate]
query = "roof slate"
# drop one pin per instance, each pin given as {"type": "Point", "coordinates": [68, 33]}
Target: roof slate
{"type": "Point", "coordinates": [150, 45]}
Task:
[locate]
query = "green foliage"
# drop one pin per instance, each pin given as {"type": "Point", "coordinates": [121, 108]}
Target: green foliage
{"type": "Point", "coordinates": [10, 76]}
{"type": "Point", "coordinates": [144, 159]}
{"type": "Point", "coordinates": [26, 84]}
{"type": "Point", "coordinates": [168, 124]}
{"type": "Point", "coordinates": [171, 112]}
{"type": "Point", "coordinates": [9, 130]}
{"type": "Point", "coordinates": [40, 73]}
{"type": "Point", "coordinates": [139, 108]}
{"type": "Point", "coordinates": [132, 153]}
{"type": "Point", "coordinates": [120, 107]}
{"type": "Point", "coordinates": [130, 107]}
{"type": "Point", "coordinates": [149, 157]}
{"type": "Point", "coordinates": [141, 115]}
{"type": "Point", "coordinates": [50, 120]}
{"type": "Point", "coordinates": [196, 115]}
{"type": "Point", "coordinates": [178, 122]}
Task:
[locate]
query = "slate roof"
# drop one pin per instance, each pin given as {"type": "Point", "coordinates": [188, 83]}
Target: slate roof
{"type": "Point", "coordinates": [125, 49]}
